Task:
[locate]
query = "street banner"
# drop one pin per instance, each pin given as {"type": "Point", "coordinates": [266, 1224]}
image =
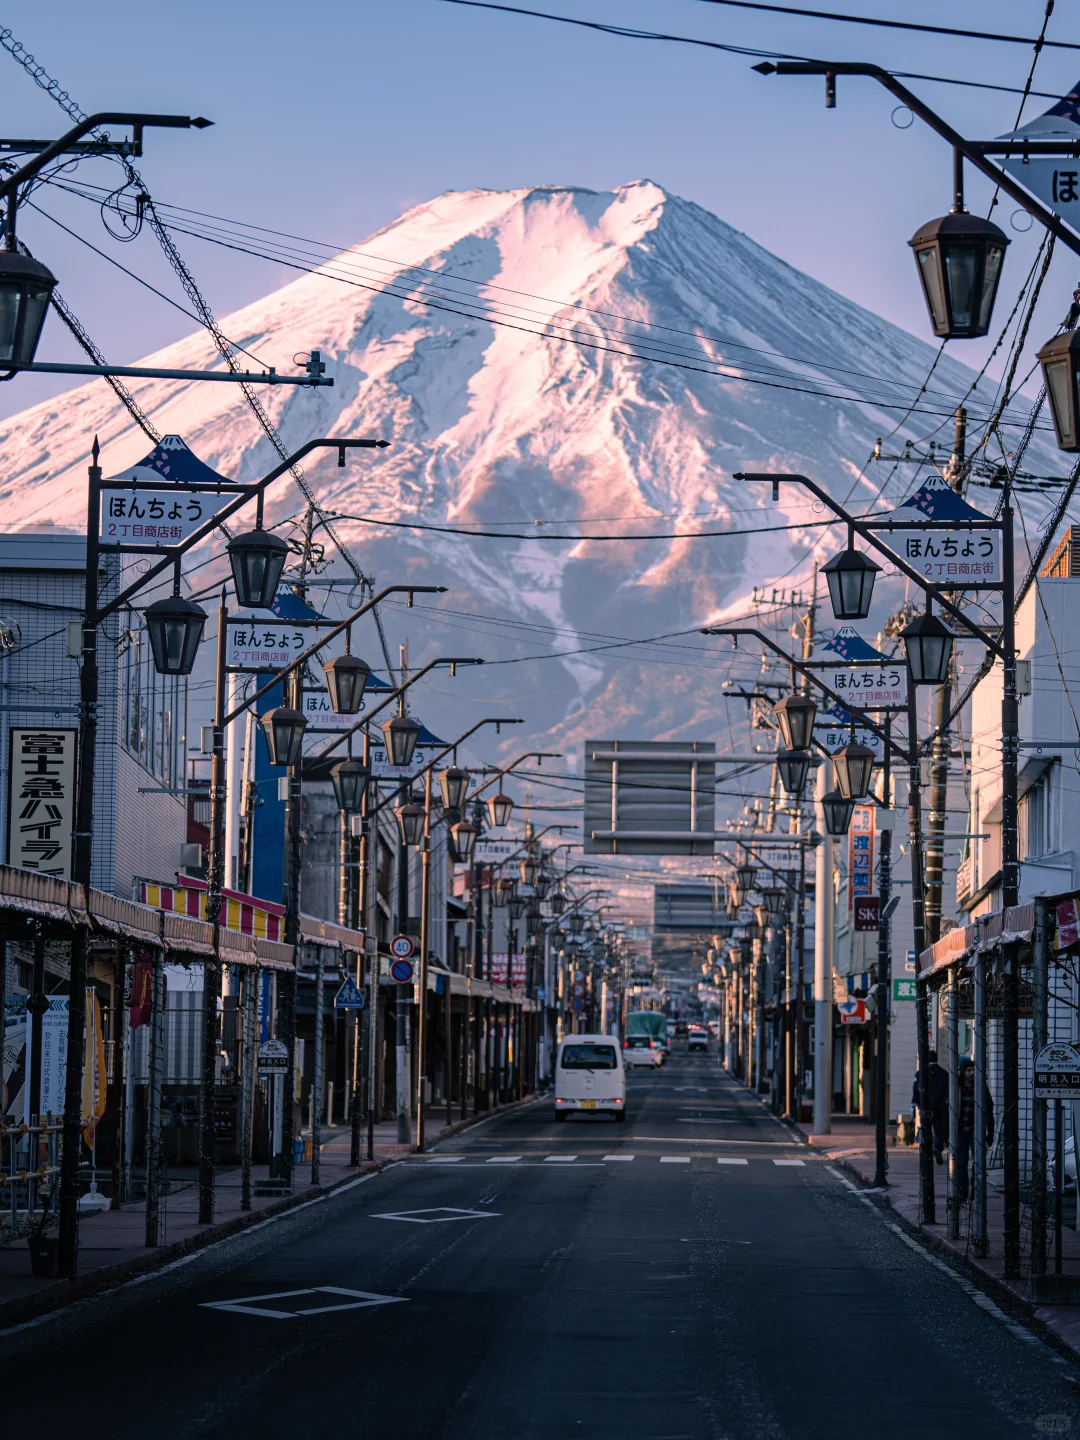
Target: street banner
{"type": "Point", "coordinates": [945, 557]}
{"type": "Point", "coordinates": [863, 677]}
{"type": "Point", "coordinates": [833, 731]}
{"type": "Point", "coordinates": [54, 1025]}
{"type": "Point", "coordinates": [41, 801]}
{"type": "Point", "coordinates": [498, 969]}
{"type": "Point", "coordinates": [860, 854]}
{"type": "Point", "coordinates": [93, 1078]}
{"type": "Point", "coordinates": [264, 644]}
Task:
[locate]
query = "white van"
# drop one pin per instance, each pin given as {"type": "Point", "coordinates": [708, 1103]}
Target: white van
{"type": "Point", "coordinates": [589, 1075]}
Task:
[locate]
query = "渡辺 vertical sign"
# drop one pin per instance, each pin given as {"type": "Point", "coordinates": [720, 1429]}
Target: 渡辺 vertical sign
{"type": "Point", "coordinates": [41, 801]}
{"type": "Point", "coordinates": [861, 854]}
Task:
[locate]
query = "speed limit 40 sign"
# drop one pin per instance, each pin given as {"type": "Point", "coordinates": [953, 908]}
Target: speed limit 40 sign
{"type": "Point", "coordinates": [403, 947]}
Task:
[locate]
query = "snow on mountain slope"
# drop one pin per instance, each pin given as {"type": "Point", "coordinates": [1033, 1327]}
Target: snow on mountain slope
{"type": "Point", "coordinates": [492, 424]}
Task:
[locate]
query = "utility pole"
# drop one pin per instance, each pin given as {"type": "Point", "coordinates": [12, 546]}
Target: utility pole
{"type": "Point", "coordinates": [884, 968]}
{"type": "Point", "coordinates": [799, 1062]}
{"type": "Point", "coordinates": [823, 956]}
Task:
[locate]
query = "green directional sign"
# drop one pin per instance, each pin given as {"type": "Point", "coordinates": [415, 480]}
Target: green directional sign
{"type": "Point", "coordinates": [903, 989]}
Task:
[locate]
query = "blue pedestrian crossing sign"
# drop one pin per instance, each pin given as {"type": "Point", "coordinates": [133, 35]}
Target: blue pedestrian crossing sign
{"type": "Point", "coordinates": [349, 997]}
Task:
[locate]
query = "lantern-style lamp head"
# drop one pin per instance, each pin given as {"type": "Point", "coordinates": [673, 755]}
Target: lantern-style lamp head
{"type": "Point", "coordinates": [257, 558]}
{"type": "Point", "coordinates": [25, 288]}
{"type": "Point", "coordinates": [928, 643]}
{"type": "Point", "coordinates": [411, 820]}
{"type": "Point", "coordinates": [533, 921]}
{"type": "Point", "coordinates": [745, 875]}
{"type": "Point", "coordinates": [516, 905]}
{"type": "Point", "coordinates": [775, 899]}
{"type": "Point", "coordinates": [850, 575]}
{"type": "Point", "coordinates": [284, 731]}
{"type": "Point", "coordinates": [959, 260]}
{"type": "Point", "coordinates": [795, 714]}
{"type": "Point", "coordinates": [464, 838]}
{"type": "Point", "coordinates": [499, 809]}
{"type": "Point", "coordinates": [350, 780]}
{"type": "Point", "coordinates": [501, 892]}
{"type": "Point", "coordinates": [837, 810]}
{"type": "Point", "coordinates": [794, 767]}
{"type": "Point", "coordinates": [854, 765]}
{"type": "Point", "coordinates": [1060, 361]}
{"type": "Point", "coordinates": [542, 883]}
{"type": "Point", "coordinates": [527, 870]}
{"type": "Point", "coordinates": [400, 735]}
{"type": "Point", "coordinates": [557, 903]}
{"type": "Point", "coordinates": [453, 783]}
{"type": "Point", "coordinates": [175, 626]}
{"type": "Point", "coordinates": [346, 680]}
{"type": "Point", "coordinates": [577, 924]}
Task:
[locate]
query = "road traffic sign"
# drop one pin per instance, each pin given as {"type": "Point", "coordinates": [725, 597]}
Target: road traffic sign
{"type": "Point", "coordinates": [403, 947]}
{"type": "Point", "coordinates": [853, 1012]}
{"type": "Point", "coordinates": [402, 971]}
{"type": "Point", "coordinates": [350, 996]}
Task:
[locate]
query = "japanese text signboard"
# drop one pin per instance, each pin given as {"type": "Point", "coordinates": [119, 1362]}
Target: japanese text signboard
{"type": "Point", "coordinates": [833, 731]}
{"type": "Point", "coordinates": [963, 556]}
{"type": "Point", "coordinates": [1057, 1072]}
{"type": "Point", "coordinates": [141, 518]}
{"type": "Point", "coordinates": [1053, 179]}
{"type": "Point", "coordinates": [41, 801]}
{"type": "Point", "coordinates": [264, 644]}
{"type": "Point", "coordinates": [864, 678]}
{"type": "Point", "coordinates": [861, 854]}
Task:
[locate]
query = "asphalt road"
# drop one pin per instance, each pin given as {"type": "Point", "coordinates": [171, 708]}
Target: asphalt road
{"type": "Point", "coordinates": [690, 1273]}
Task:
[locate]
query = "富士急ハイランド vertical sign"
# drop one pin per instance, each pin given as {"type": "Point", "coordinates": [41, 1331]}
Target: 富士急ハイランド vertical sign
{"type": "Point", "coordinates": [41, 801]}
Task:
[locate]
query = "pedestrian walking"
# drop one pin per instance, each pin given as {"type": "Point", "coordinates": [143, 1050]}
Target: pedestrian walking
{"type": "Point", "coordinates": [939, 1105]}
{"type": "Point", "coordinates": [966, 1126]}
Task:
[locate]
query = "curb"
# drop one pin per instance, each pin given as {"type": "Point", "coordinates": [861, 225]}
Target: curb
{"type": "Point", "coordinates": [61, 1292]}
{"type": "Point", "coordinates": [459, 1125]}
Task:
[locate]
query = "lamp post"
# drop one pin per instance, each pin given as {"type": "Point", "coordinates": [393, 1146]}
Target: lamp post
{"type": "Point", "coordinates": [94, 614]}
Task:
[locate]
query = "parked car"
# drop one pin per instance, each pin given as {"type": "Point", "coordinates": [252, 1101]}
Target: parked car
{"type": "Point", "coordinates": [698, 1039]}
{"type": "Point", "coordinates": [589, 1076]}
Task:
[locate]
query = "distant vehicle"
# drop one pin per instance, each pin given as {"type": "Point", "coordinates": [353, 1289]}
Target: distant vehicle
{"type": "Point", "coordinates": [642, 1050]}
{"type": "Point", "coordinates": [589, 1076]}
{"type": "Point", "coordinates": [648, 1022]}
{"type": "Point", "coordinates": [681, 1027]}
{"type": "Point", "coordinates": [672, 1029]}
{"type": "Point", "coordinates": [698, 1039]}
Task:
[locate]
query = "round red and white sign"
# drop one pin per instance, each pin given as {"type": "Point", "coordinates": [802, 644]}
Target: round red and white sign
{"type": "Point", "coordinates": [403, 947]}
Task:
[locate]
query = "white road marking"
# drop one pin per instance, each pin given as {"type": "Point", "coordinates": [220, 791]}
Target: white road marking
{"type": "Point", "coordinates": [505, 1159]}
{"type": "Point", "coordinates": [703, 1120]}
{"type": "Point", "coordinates": [674, 1159]}
{"type": "Point", "coordinates": [730, 1160]}
{"type": "Point", "coordinates": [559, 1159]}
{"type": "Point", "coordinates": [618, 1157]}
{"type": "Point", "coordinates": [438, 1215]}
{"type": "Point", "coordinates": [256, 1304]}
{"type": "Point", "coordinates": [445, 1159]}
{"type": "Point", "coordinates": [799, 1163]}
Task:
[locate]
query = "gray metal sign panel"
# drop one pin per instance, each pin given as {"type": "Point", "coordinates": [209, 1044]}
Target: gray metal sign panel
{"type": "Point", "coordinates": [689, 907]}
{"type": "Point", "coordinates": [650, 789]}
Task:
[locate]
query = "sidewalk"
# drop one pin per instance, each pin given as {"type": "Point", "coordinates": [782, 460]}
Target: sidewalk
{"type": "Point", "coordinates": [852, 1146]}
{"type": "Point", "coordinates": [112, 1242]}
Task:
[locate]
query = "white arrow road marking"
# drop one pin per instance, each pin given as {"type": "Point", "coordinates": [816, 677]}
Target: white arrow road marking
{"type": "Point", "coordinates": [256, 1304]}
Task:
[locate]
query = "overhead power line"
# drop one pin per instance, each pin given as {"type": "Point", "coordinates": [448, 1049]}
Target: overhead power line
{"type": "Point", "coordinates": [629, 32]}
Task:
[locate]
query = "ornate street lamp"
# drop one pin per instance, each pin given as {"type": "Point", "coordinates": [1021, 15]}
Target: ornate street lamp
{"type": "Point", "coordinates": [257, 559]}
{"type": "Point", "coordinates": [959, 261]}
{"type": "Point", "coordinates": [346, 680]}
{"type": "Point", "coordinates": [25, 288]}
{"type": "Point", "coordinates": [400, 735]}
{"type": "Point", "coordinates": [850, 575]}
{"type": "Point", "coordinates": [557, 903]}
{"type": "Point", "coordinates": [854, 765]}
{"type": "Point", "coordinates": [499, 809]}
{"type": "Point", "coordinates": [775, 899]}
{"type": "Point", "coordinates": [1060, 361]}
{"type": "Point", "coordinates": [453, 783]}
{"type": "Point", "coordinates": [501, 890]}
{"type": "Point", "coordinates": [411, 819]}
{"type": "Point", "coordinates": [533, 920]}
{"type": "Point", "coordinates": [794, 767]}
{"type": "Point", "coordinates": [577, 924]}
{"type": "Point", "coordinates": [745, 875]}
{"type": "Point", "coordinates": [464, 837]}
{"type": "Point", "coordinates": [542, 883]}
{"type": "Point", "coordinates": [795, 714]}
{"type": "Point", "coordinates": [284, 731]}
{"type": "Point", "coordinates": [928, 644]}
{"type": "Point", "coordinates": [837, 810]}
{"type": "Point", "coordinates": [350, 780]}
{"type": "Point", "coordinates": [175, 626]}
{"type": "Point", "coordinates": [527, 870]}
{"type": "Point", "coordinates": [517, 905]}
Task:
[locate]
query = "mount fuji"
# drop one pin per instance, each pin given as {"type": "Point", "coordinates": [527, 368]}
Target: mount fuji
{"type": "Point", "coordinates": [547, 361]}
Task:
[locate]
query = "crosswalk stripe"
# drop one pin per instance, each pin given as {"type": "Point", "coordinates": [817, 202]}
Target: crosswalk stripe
{"type": "Point", "coordinates": [559, 1159]}
{"type": "Point", "coordinates": [674, 1159]}
{"type": "Point", "coordinates": [618, 1157]}
{"type": "Point", "coordinates": [445, 1159]}
{"type": "Point", "coordinates": [505, 1159]}
{"type": "Point", "coordinates": [790, 1163]}
{"type": "Point", "coordinates": [730, 1160]}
